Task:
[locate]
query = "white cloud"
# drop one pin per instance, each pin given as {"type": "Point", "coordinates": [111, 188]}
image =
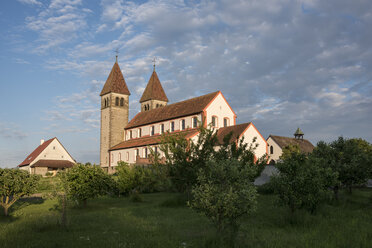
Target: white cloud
{"type": "Point", "coordinates": [32, 2]}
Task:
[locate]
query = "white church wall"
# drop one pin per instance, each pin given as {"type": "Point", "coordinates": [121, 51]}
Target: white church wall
{"type": "Point", "coordinates": [220, 108]}
{"type": "Point", "coordinates": [250, 134]}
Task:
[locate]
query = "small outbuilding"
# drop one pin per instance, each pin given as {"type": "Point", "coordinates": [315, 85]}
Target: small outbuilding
{"type": "Point", "coordinates": [277, 143]}
{"type": "Point", "coordinates": [50, 156]}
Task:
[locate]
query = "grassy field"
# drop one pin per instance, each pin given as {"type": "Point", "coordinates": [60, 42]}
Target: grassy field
{"type": "Point", "coordinates": [160, 221]}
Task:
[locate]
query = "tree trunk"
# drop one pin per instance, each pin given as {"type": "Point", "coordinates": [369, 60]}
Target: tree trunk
{"type": "Point", "coordinates": [85, 203]}
{"type": "Point", "coordinates": [6, 211]}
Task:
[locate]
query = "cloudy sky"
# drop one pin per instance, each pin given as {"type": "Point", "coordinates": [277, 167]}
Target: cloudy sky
{"type": "Point", "coordinates": [281, 64]}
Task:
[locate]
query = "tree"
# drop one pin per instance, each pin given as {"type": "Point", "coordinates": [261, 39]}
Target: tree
{"type": "Point", "coordinates": [301, 182]}
{"type": "Point", "coordinates": [83, 182]}
{"type": "Point", "coordinates": [224, 194]}
{"type": "Point", "coordinates": [15, 184]}
{"type": "Point", "coordinates": [185, 158]}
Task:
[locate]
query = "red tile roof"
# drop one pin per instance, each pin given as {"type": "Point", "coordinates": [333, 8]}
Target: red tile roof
{"type": "Point", "coordinates": [115, 82]}
{"type": "Point", "coordinates": [305, 145]}
{"type": "Point", "coordinates": [36, 153]}
{"type": "Point", "coordinates": [237, 131]}
{"type": "Point", "coordinates": [154, 90]}
{"type": "Point", "coordinates": [188, 107]}
{"type": "Point", "coordinates": [152, 140]}
{"type": "Point", "coordinates": [50, 163]}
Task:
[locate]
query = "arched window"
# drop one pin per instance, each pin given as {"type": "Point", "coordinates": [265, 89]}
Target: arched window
{"type": "Point", "coordinates": [122, 102]}
{"type": "Point", "coordinates": [127, 156]}
{"type": "Point", "coordinates": [226, 122]}
{"type": "Point", "coordinates": [194, 122]}
{"type": "Point", "coordinates": [183, 124]}
{"type": "Point", "coordinates": [108, 102]}
{"type": "Point", "coordinates": [152, 130]}
{"type": "Point", "coordinates": [214, 121]}
{"type": "Point", "coordinates": [139, 133]}
{"type": "Point", "coordinates": [145, 152]}
{"type": "Point", "coordinates": [172, 126]}
{"type": "Point", "coordinates": [148, 107]}
{"type": "Point", "coordinates": [117, 101]}
{"type": "Point", "coordinates": [271, 150]}
{"type": "Point", "coordinates": [161, 128]}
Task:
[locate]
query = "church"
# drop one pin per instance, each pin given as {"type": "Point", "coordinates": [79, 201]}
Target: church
{"type": "Point", "coordinates": [130, 141]}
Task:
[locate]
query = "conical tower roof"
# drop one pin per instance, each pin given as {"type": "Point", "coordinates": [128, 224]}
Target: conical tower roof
{"type": "Point", "coordinates": [298, 132]}
{"type": "Point", "coordinates": [115, 82]}
{"type": "Point", "coordinates": [154, 90]}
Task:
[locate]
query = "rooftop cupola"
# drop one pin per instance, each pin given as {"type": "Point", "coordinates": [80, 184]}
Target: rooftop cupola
{"type": "Point", "coordinates": [299, 134]}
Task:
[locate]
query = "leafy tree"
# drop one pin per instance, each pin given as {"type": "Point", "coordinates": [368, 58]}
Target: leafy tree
{"type": "Point", "coordinates": [289, 150]}
{"type": "Point", "coordinates": [224, 194]}
{"type": "Point", "coordinates": [14, 184]}
{"type": "Point", "coordinates": [301, 182]}
{"type": "Point", "coordinates": [83, 182]}
{"type": "Point", "coordinates": [184, 158]}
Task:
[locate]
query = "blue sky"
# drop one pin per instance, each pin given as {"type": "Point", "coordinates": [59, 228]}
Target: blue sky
{"type": "Point", "coordinates": [281, 64]}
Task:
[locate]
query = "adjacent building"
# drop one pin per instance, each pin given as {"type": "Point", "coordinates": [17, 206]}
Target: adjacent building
{"type": "Point", "coordinates": [277, 143]}
{"type": "Point", "coordinates": [130, 141]}
{"type": "Point", "coordinates": [50, 156]}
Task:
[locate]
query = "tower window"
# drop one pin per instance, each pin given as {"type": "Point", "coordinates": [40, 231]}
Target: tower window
{"type": "Point", "coordinates": [161, 128]}
{"type": "Point", "coordinates": [194, 122]}
{"type": "Point", "coordinates": [108, 102]}
{"type": "Point", "coordinates": [214, 121]}
{"type": "Point", "coordinates": [183, 124]}
{"type": "Point", "coordinates": [122, 102]}
{"type": "Point", "coordinates": [152, 130]}
{"type": "Point", "coordinates": [172, 126]}
{"type": "Point", "coordinates": [117, 101]}
{"type": "Point", "coordinates": [271, 150]}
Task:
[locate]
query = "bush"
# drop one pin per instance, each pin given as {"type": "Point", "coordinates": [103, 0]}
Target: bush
{"type": "Point", "coordinates": [83, 182]}
{"type": "Point", "coordinates": [266, 189]}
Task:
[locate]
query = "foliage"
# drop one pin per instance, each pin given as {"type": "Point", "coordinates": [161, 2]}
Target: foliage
{"type": "Point", "coordinates": [184, 159]}
{"type": "Point", "coordinates": [224, 194]}
{"type": "Point", "coordinates": [266, 189]}
{"type": "Point", "coordinates": [301, 182]}
{"type": "Point", "coordinates": [351, 159]}
{"type": "Point", "coordinates": [289, 150]}
{"type": "Point", "coordinates": [14, 184]}
{"type": "Point", "coordinates": [83, 182]}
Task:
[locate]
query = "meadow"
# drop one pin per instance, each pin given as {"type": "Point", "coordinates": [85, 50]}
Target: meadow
{"type": "Point", "coordinates": [163, 220]}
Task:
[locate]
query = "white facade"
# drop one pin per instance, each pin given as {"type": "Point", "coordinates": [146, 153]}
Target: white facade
{"type": "Point", "coordinates": [274, 150]}
{"type": "Point", "coordinates": [252, 133]}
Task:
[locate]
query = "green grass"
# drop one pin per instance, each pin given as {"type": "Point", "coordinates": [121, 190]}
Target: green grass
{"type": "Point", "coordinates": [162, 221]}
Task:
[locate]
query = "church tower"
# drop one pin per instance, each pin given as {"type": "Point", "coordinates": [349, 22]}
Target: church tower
{"type": "Point", "coordinates": [154, 95]}
{"type": "Point", "coordinates": [114, 112]}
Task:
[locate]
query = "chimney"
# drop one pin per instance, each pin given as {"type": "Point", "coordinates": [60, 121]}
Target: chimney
{"type": "Point", "coordinates": [41, 142]}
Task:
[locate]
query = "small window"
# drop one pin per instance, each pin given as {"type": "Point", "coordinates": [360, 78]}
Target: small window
{"type": "Point", "coordinates": [271, 150]}
{"type": "Point", "coordinates": [145, 151]}
{"type": "Point", "coordinates": [225, 122]}
{"type": "Point", "coordinates": [152, 130]}
{"type": "Point", "coordinates": [157, 105]}
{"type": "Point", "coordinates": [137, 152]}
{"type": "Point", "coordinates": [122, 102]}
{"type": "Point", "coordinates": [214, 121]}
{"type": "Point", "coordinates": [194, 122]}
{"type": "Point", "coordinates": [117, 101]}
{"type": "Point", "coordinates": [119, 156]}
{"type": "Point", "coordinates": [161, 128]}
{"type": "Point", "coordinates": [156, 150]}
{"type": "Point", "coordinates": [130, 134]}
{"type": "Point", "coordinates": [54, 147]}
{"type": "Point", "coordinates": [172, 126]}
{"type": "Point", "coordinates": [127, 156]}
{"type": "Point", "coordinates": [139, 132]}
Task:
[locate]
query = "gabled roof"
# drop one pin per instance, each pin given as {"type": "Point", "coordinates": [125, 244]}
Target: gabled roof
{"type": "Point", "coordinates": [115, 82]}
{"type": "Point", "coordinates": [30, 158]}
{"type": "Point", "coordinates": [305, 145]}
{"type": "Point", "coordinates": [188, 107]}
{"type": "Point", "coordinates": [151, 140]}
{"type": "Point", "coordinates": [237, 131]}
{"type": "Point", "coordinates": [53, 163]}
{"type": "Point", "coordinates": [154, 90]}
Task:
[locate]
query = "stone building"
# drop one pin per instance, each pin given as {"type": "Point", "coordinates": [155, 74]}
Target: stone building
{"type": "Point", "coordinates": [50, 156]}
{"type": "Point", "coordinates": [277, 143]}
{"type": "Point", "coordinates": [130, 141]}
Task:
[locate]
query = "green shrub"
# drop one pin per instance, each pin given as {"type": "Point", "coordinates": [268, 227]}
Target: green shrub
{"type": "Point", "coordinates": [266, 189]}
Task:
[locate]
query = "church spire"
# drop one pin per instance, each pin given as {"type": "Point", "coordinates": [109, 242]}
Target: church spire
{"type": "Point", "coordinates": [115, 82]}
{"type": "Point", "coordinates": [154, 90]}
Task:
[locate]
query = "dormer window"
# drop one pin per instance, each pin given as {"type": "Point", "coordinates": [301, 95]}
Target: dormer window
{"type": "Point", "coordinates": [152, 130]}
